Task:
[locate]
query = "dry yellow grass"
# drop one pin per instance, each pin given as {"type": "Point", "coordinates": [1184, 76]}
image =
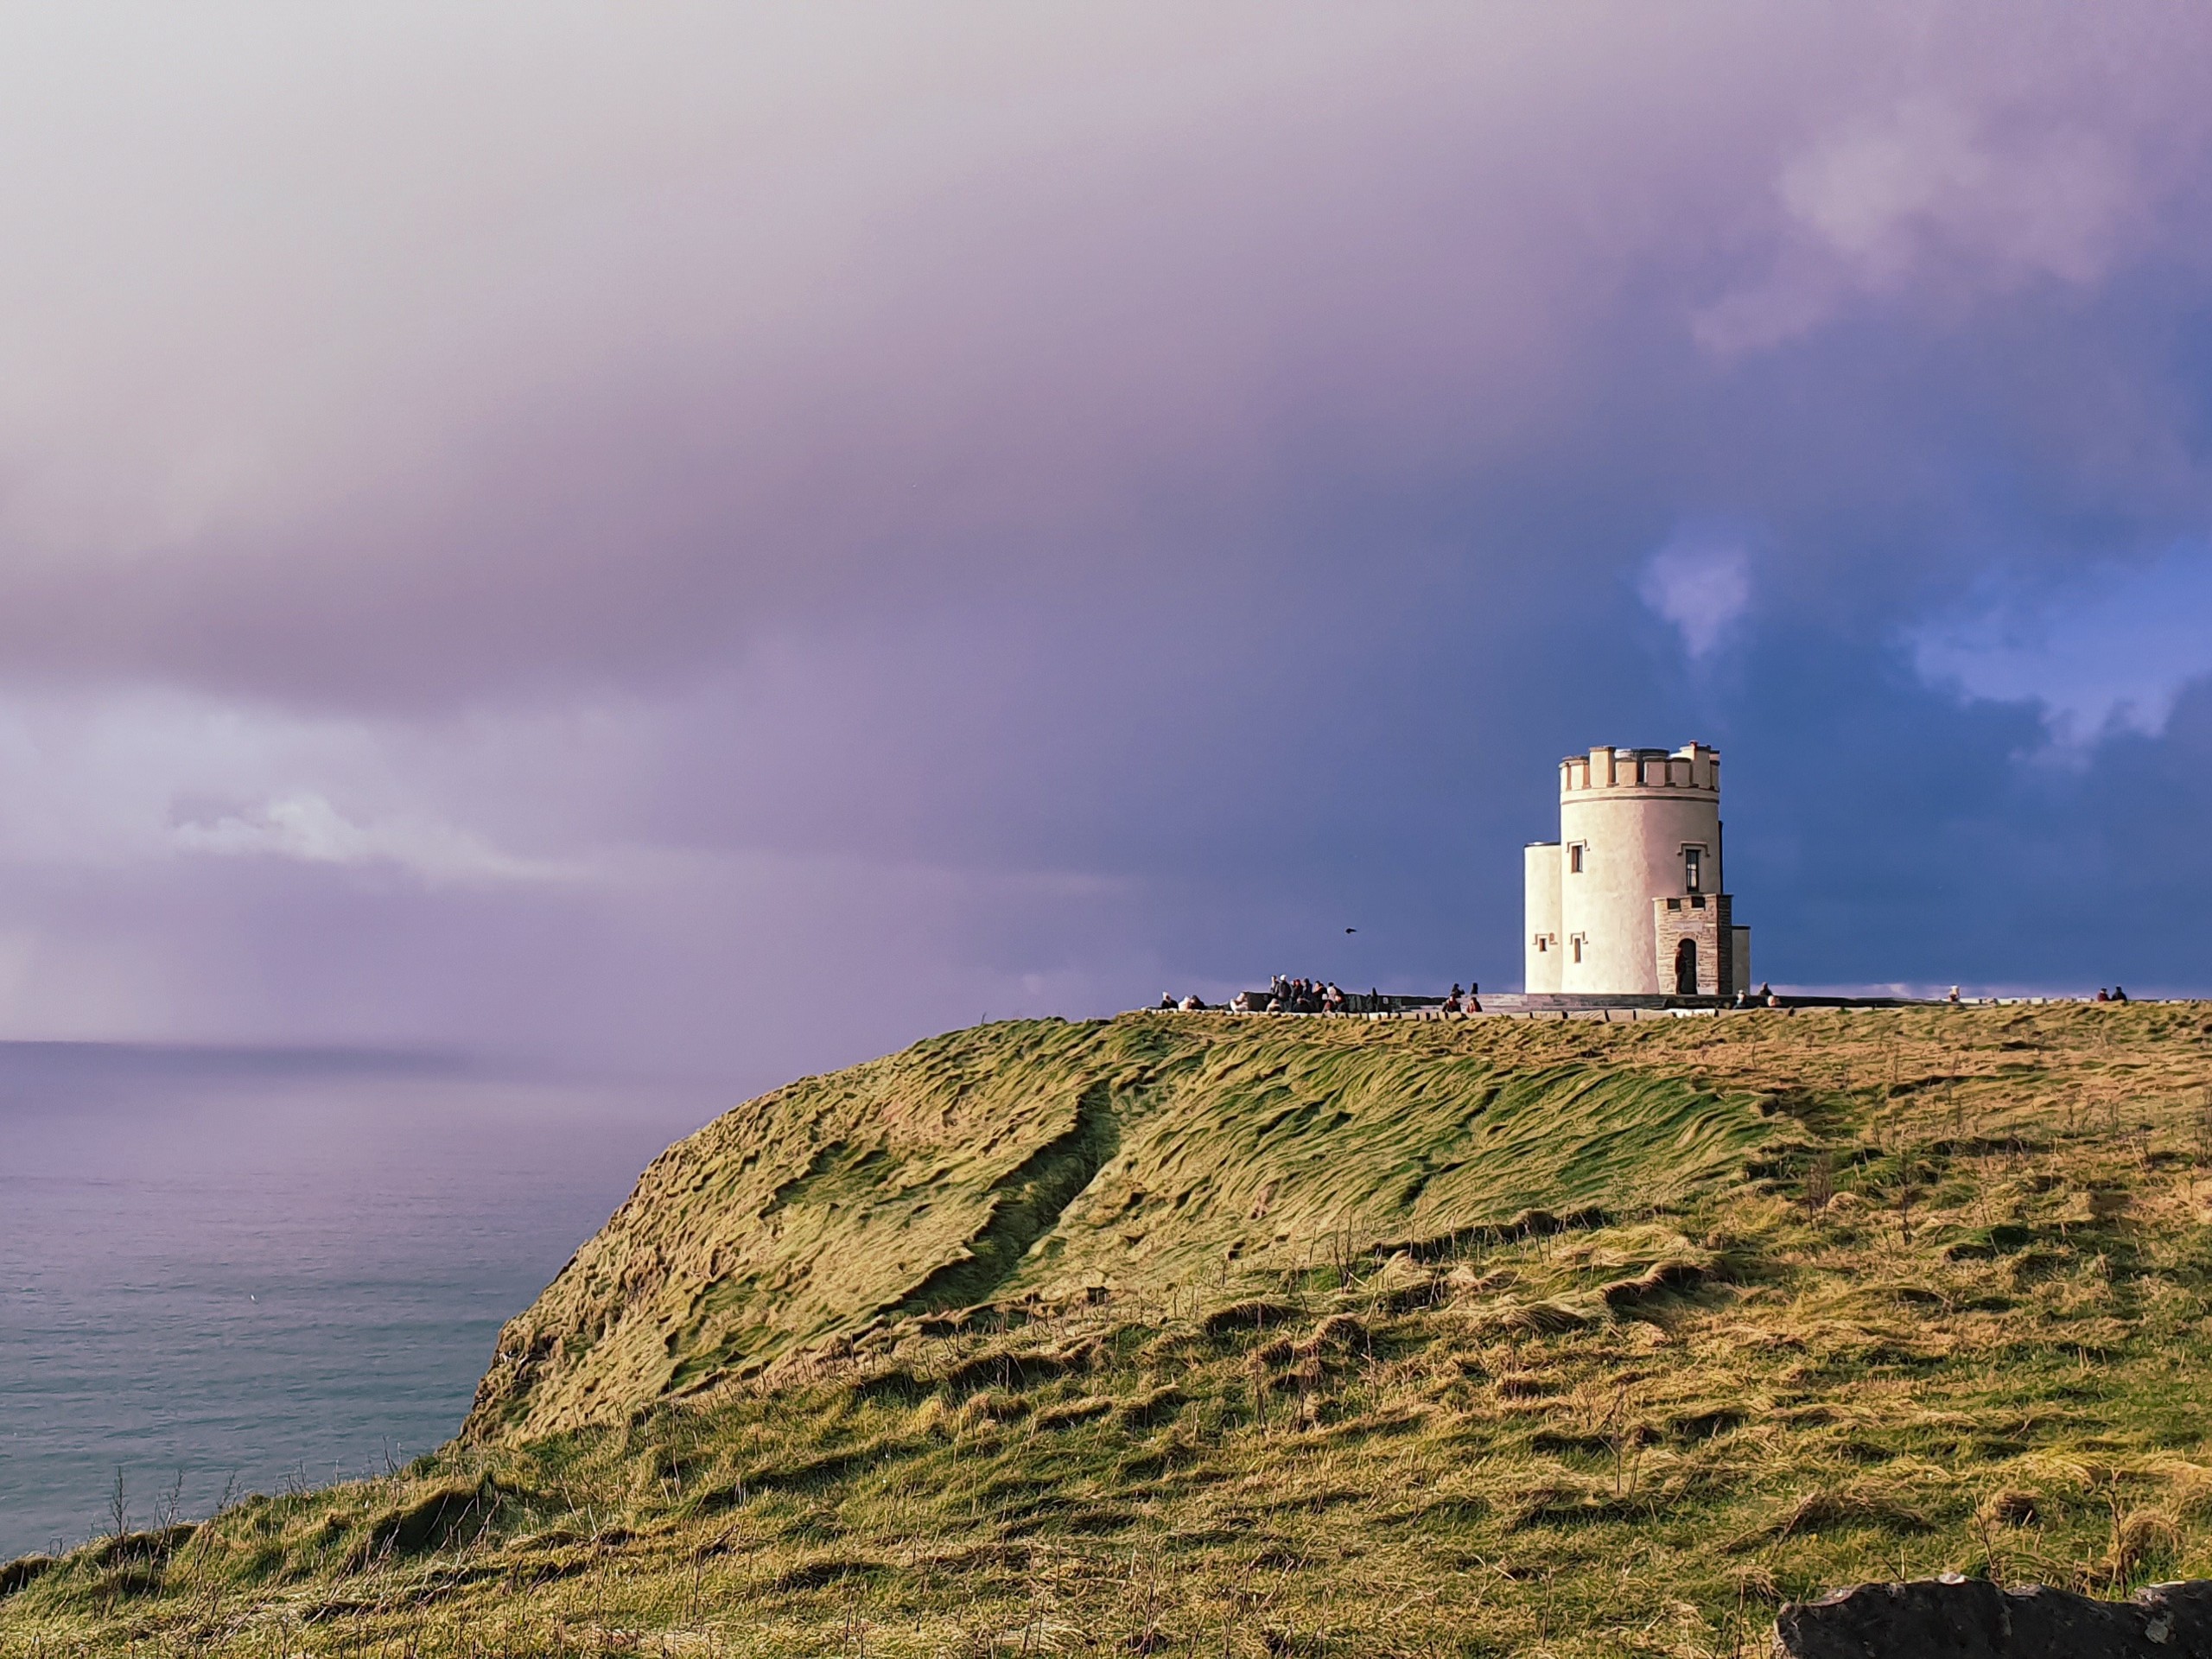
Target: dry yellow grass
{"type": "Point", "coordinates": [1900, 1292]}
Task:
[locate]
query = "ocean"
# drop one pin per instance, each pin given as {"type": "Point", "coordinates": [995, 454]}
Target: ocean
{"type": "Point", "coordinates": [250, 1270]}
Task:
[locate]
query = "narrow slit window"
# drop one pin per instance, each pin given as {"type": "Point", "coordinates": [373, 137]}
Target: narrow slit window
{"type": "Point", "coordinates": [1574, 858]}
{"type": "Point", "coordinates": [1693, 869]}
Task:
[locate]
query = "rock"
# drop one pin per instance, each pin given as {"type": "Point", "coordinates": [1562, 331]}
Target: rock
{"type": "Point", "coordinates": [1971, 1618]}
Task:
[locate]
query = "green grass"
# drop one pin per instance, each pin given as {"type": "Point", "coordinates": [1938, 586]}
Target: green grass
{"type": "Point", "coordinates": [1298, 1338]}
{"type": "Point", "coordinates": [1151, 1156]}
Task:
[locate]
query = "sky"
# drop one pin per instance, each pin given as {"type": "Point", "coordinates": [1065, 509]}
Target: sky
{"type": "Point", "coordinates": [725, 539]}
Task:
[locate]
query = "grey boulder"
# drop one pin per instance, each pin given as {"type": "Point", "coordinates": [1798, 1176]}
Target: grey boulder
{"type": "Point", "coordinates": [1971, 1618]}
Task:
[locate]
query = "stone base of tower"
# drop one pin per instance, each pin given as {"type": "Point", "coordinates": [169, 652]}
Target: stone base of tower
{"type": "Point", "coordinates": [1694, 940]}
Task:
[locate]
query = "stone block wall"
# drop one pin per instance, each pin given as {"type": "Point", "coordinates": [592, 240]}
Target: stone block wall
{"type": "Point", "coordinates": [1705, 918]}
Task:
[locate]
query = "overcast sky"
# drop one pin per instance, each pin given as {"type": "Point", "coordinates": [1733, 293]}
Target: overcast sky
{"type": "Point", "coordinates": [732, 537]}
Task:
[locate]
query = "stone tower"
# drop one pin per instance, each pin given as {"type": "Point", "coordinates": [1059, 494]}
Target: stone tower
{"type": "Point", "coordinates": [1630, 899]}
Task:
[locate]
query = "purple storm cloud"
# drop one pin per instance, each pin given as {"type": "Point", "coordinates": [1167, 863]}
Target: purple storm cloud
{"type": "Point", "coordinates": [728, 539]}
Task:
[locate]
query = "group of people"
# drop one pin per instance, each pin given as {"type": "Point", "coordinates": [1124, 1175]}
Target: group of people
{"type": "Point", "coordinates": [1284, 996]}
{"type": "Point", "coordinates": [1299, 995]}
{"type": "Point", "coordinates": [1324, 996]}
{"type": "Point", "coordinates": [1296, 996]}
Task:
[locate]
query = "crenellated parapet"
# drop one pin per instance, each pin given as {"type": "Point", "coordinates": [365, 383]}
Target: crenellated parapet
{"type": "Point", "coordinates": [1694, 769]}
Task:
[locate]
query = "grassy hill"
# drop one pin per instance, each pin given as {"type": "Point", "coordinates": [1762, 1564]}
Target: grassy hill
{"type": "Point", "coordinates": [1197, 1334]}
{"type": "Point", "coordinates": [1046, 1164]}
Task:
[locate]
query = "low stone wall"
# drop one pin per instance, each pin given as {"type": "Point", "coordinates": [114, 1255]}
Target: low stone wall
{"type": "Point", "coordinates": [1563, 1005]}
{"type": "Point", "coordinates": [1360, 1002]}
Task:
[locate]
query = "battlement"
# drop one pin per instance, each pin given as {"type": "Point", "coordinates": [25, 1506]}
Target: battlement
{"type": "Point", "coordinates": [1693, 769]}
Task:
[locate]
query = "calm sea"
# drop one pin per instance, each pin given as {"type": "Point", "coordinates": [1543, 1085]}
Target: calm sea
{"type": "Point", "coordinates": [258, 1268]}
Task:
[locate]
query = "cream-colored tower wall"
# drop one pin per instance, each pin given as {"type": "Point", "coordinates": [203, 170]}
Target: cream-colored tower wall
{"type": "Point", "coordinates": [1626, 816]}
{"type": "Point", "coordinates": [1541, 938]}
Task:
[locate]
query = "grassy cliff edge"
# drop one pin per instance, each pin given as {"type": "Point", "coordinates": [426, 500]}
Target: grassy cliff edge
{"type": "Point", "coordinates": [1043, 1163]}
{"type": "Point", "coordinates": [1195, 1334]}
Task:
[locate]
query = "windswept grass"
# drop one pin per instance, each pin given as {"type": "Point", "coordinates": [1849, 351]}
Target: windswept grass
{"type": "Point", "coordinates": [1147, 1156]}
{"type": "Point", "coordinates": [1834, 1297]}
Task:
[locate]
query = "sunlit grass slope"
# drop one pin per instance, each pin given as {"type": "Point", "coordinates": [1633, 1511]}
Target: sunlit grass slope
{"type": "Point", "coordinates": [1156, 1154]}
{"type": "Point", "coordinates": [1196, 1335]}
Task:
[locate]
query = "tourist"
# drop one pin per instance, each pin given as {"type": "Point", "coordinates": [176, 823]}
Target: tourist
{"type": "Point", "coordinates": [1473, 1004]}
{"type": "Point", "coordinates": [2103, 995]}
{"type": "Point", "coordinates": [1241, 1003]}
{"type": "Point", "coordinates": [1194, 1004]}
{"type": "Point", "coordinates": [2118, 994]}
{"type": "Point", "coordinates": [1167, 1000]}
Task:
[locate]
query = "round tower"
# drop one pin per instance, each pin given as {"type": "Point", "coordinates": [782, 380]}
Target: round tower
{"type": "Point", "coordinates": [1643, 907]}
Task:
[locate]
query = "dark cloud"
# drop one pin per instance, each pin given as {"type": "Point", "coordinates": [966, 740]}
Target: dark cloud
{"type": "Point", "coordinates": [748, 536]}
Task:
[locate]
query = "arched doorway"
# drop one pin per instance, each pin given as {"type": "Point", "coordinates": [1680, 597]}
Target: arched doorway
{"type": "Point", "coordinates": [1686, 967]}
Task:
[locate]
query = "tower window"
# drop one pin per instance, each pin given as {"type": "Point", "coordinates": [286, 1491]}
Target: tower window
{"type": "Point", "coordinates": [1574, 858]}
{"type": "Point", "coordinates": [1577, 942]}
{"type": "Point", "coordinates": [1693, 869]}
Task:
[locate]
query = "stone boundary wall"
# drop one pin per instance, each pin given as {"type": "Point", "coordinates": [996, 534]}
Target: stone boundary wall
{"type": "Point", "coordinates": [1514, 1005]}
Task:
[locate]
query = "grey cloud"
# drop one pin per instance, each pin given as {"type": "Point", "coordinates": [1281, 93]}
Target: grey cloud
{"type": "Point", "coordinates": [375, 366]}
{"type": "Point", "coordinates": [915, 517]}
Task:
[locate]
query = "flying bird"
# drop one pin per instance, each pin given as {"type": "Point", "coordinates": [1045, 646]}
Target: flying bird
{"type": "Point", "coordinates": [1351, 929]}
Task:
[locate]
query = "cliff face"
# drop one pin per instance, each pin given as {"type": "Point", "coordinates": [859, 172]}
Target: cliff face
{"type": "Point", "coordinates": [1152, 1155]}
